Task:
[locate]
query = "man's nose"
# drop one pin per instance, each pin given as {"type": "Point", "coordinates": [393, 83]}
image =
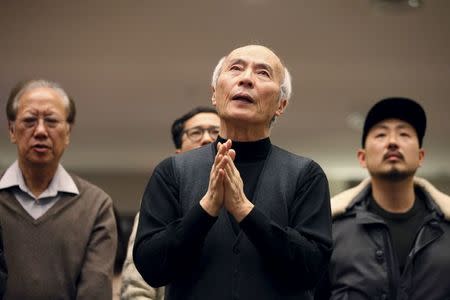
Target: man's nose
{"type": "Point", "coordinates": [206, 138]}
{"type": "Point", "coordinates": [41, 129]}
{"type": "Point", "coordinates": [392, 140]}
{"type": "Point", "coordinates": [246, 78]}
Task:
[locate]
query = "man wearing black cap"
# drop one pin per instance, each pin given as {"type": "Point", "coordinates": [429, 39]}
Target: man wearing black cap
{"type": "Point", "coordinates": [391, 232]}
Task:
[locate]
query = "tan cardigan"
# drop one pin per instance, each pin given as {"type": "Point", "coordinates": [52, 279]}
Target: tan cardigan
{"type": "Point", "coordinates": [134, 286]}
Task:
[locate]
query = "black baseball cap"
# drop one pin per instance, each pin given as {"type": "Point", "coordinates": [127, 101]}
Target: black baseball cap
{"type": "Point", "coordinates": [396, 108]}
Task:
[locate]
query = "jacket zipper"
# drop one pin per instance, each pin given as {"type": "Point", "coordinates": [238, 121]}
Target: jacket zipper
{"type": "Point", "coordinates": [392, 264]}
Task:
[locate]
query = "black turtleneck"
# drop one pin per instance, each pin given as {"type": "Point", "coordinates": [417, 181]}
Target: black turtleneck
{"type": "Point", "coordinates": [250, 159]}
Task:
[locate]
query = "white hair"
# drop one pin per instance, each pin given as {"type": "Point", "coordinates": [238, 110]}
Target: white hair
{"type": "Point", "coordinates": [25, 86]}
{"type": "Point", "coordinates": [41, 83]}
{"type": "Point", "coordinates": [285, 88]}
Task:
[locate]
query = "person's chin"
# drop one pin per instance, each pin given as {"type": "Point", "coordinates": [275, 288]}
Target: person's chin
{"type": "Point", "coordinates": [241, 114]}
{"type": "Point", "coordinates": [42, 158]}
{"type": "Point", "coordinates": [394, 174]}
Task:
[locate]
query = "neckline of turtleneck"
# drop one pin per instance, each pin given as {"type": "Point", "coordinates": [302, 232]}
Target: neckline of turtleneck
{"type": "Point", "coordinates": [249, 151]}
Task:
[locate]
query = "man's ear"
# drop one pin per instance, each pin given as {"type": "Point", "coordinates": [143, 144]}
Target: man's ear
{"type": "Point", "coordinates": [177, 151]}
{"type": "Point", "coordinates": [361, 154]}
{"type": "Point", "coordinates": [421, 156]}
{"type": "Point", "coordinates": [213, 97]}
{"type": "Point", "coordinates": [12, 132]}
{"type": "Point", "coordinates": [69, 131]}
{"type": "Point", "coordinates": [282, 104]}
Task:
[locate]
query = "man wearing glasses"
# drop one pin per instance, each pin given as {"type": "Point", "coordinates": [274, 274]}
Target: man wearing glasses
{"type": "Point", "coordinates": [59, 231]}
{"type": "Point", "coordinates": [198, 127]}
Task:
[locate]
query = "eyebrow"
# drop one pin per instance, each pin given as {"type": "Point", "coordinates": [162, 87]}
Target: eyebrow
{"type": "Point", "coordinates": [237, 61]}
{"type": "Point", "coordinates": [240, 61]}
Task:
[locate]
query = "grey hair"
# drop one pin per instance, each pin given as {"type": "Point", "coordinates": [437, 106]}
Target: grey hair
{"type": "Point", "coordinates": [24, 86]}
{"type": "Point", "coordinates": [285, 88]}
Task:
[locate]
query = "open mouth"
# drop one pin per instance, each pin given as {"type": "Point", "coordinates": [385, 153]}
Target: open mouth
{"type": "Point", "coordinates": [40, 147]}
{"type": "Point", "coordinates": [243, 97]}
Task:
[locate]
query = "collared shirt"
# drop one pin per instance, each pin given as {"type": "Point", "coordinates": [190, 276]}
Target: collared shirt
{"type": "Point", "coordinates": [37, 206]}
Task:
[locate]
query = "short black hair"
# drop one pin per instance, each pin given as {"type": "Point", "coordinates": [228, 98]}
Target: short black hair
{"type": "Point", "coordinates": [178, 124]}
{"type": "Point", "coordinates": [400, 108]}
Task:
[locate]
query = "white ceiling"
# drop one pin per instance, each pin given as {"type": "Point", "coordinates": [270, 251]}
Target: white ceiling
{"type": "Point", "coordinates": [134, 66]}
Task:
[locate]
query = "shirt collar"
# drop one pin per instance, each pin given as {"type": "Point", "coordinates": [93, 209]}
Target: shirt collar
{"type": "Point", "coordinates": [61, 182]}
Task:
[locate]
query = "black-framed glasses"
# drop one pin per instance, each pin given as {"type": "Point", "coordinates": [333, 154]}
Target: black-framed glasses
{"type": "Point", "coordinates": [195, 134]}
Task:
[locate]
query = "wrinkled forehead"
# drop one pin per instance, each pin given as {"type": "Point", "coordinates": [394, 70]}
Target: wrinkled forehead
{"type": "Point", "coordinates": [39, 96]}
{"type": "Point", "coordinates": [256, 54]}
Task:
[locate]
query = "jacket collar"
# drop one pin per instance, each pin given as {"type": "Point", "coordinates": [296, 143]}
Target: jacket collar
{"type": "Point", "coordinates": [345, 200]}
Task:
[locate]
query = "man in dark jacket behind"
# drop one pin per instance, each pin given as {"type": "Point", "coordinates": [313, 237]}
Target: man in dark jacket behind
{"type": "Point", "coordinates": [392, 231]}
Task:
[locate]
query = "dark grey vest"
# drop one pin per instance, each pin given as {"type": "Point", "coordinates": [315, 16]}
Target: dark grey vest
{"type": "Point", "coordinates": [230, 267]}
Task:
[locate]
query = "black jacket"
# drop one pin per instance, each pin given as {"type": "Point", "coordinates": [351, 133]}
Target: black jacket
{"type": "Point", "coordinates": [363, 264]}
{"type": "Point", "coordinates": [281, 251]}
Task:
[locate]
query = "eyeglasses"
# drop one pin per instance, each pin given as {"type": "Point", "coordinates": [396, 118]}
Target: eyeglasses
{"type": "Point", "coordinates": [32, 121]}
{"type": "Point", "coordinates": [196, 134]}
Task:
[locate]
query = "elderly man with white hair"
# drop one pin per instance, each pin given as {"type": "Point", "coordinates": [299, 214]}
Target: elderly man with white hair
{"type": "Point", "coordinates": [240, 218]}
{"type": "Point", "coordinates": [59, 231]}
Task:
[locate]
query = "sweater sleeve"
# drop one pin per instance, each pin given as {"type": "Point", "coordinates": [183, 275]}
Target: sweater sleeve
{"type": "Point", "coordinates": [168, 241]}
{"type": "Point", "coordinates": [95, 280]}
{"type": "Point", "coordinates": [299, 252]}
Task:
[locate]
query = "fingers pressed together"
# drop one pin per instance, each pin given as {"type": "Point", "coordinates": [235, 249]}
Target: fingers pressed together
{"type": "Point", "coordinates": [226, 188]}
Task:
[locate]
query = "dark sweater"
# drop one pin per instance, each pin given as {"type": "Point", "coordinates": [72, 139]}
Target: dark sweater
{"type": "Point", "coordinates": [249, 163]}
{"type": "Point", "coordinates": [282, 248]}
{"type": "Point", "coordinates": [68, 253]}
